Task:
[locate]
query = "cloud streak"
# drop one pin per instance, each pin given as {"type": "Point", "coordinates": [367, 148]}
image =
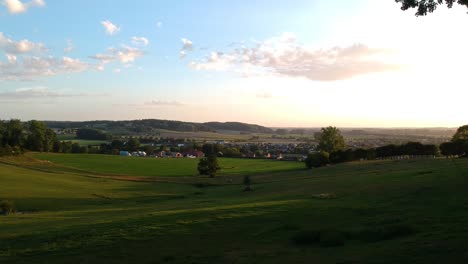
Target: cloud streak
{"type": "Point", "coordinates": [38, 93]}
{"type": "Point", "coordinates": [163, 103]}
{"type": "Point", "coordinates": [140, 41]}
{"type": "Point", "coordinates": [284, 56]}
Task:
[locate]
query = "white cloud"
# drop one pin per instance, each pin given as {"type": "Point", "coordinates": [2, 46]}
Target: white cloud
{"type": "Point", "coordinates": [110, 28]}
{"type": "Point", "coordinates": [140, 41]}
{"type": "Point", "coordinates": [284, 56]}
{"type": "Point", "coordinates": [17, 7]}
{"type": "Point", "coordinates": [124, 55]}
{"type": "Point", "coordinates": [31, 67]}
{"type": "Point", "coordinates": [187, 46]}
{"type": "Point", "coordinates": [17, 47]}
{"type": "Point", "coordinates": [11, 58]}
{"type": "Point", "coordinates": [70, 47]}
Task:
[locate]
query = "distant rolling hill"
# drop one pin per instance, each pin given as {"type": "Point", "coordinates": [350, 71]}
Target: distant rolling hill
{"type": "Point", "coordinates": [152, 125]}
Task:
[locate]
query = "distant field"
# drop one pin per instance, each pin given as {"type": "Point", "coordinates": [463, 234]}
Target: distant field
{"type": "Point", "coordinates": [139, 166]}
{"type": "Point", "coordinates": [82, 142]}
{"type": "Point", "coordinates": [405, 212]}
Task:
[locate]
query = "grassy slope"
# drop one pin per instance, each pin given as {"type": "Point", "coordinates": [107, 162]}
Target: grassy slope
{"type": "Point", "coordinates": [138, 166]}
{"type": "Point", "coordinates": [88, 220]}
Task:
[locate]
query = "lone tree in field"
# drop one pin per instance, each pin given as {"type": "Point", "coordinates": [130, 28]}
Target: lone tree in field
{"type": "Point", "coordinates": [208, 166]}
{"type": "Point", "coordinates": [330, 139]}
{"type": "Point", "coordinates": [428, 6]}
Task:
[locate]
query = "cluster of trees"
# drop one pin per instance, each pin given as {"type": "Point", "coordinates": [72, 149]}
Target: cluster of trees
{"type": "Point", "coordinates": [458, 146]}
{"type": "Point", "coordinates": [332, 149]}
{"type": "Point", "coordinates": [16, 136]}
{"type": "Point", "coordinates": [91, 134]}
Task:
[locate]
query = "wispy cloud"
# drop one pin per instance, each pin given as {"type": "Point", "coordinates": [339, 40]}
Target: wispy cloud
{"type": "Point", "coordinates": [38, 93]}
{"type": "Point", "coordinates": [110, 28]}
{"type": "Point", "coordinates": [163, 103]}
{"type": "Point", "coordinates": [159, 24]}
{"type": "Point", "coordinates": [187, 46]}
{"type": "Point", "coordinates": [153, 104]}
{"type": "Point", "coordinates": [17, 6]}
{"type": "Point", "coordinates": [140, 41]}
{"type": "Point", "coordinates": [282, 55]}
{"type": "Point", "coordinates": [70, 47]}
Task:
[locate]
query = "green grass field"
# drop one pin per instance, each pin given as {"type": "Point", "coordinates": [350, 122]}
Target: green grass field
{"type": "Point", "coordinates": [71, 211]}
{"type": "Point", "coordinates": [139, 166]}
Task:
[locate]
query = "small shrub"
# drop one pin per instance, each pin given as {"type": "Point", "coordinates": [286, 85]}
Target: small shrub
{"type": "Point", "coordinates": [7, 207]}
{"type": "Point", "coordinates": [316, 160]}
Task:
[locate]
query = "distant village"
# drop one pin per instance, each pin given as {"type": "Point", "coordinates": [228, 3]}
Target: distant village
{"type": "Point", "coordinates": [290, 151]}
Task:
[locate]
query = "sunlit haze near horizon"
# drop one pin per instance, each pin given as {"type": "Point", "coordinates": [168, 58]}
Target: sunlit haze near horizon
{"type": "Point", "coordinates": [305, 63]}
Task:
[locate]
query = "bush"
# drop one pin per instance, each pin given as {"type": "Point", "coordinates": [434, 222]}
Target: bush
{"type": "Point", "coordinates": [319, 159]}
{"type": "Point", "coordinates": [208, 166]}
{"type": "Point", "coordinates": [7, 207]}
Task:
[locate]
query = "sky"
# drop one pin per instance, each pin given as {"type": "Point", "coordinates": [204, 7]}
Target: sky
{"type": "Point", "coordinates": [296, 63]}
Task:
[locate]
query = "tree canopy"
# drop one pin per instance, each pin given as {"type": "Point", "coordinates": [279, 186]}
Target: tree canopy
{"type": "Point", "coordinates": [428, 6]}
{"type": "Point", "coordinates": [461, 134]}
{"type": "Point", "coordinates": [330, 139]}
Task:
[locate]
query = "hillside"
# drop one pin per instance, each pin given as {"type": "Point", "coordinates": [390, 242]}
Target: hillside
{"type": "Point", "coordinates": [362, 212]}
{"type": "Point", "coordinates": [152, 125]}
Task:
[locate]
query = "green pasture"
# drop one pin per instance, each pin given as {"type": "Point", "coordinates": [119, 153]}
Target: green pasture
{"type": "Point", "coordinates": [362, 212]}
{"type": "Point", "coordinates": [146, 166]}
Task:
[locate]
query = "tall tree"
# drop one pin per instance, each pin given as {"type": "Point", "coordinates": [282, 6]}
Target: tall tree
{"type": "Point", "coordinates": [14, 133]}
{"type": "Point", "coordinates": [330, 139]}
{"type": "Point", "coordinates": [37, 136]}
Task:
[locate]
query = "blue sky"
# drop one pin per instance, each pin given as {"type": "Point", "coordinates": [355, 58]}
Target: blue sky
{"type": "Point", "coordinates": [277, 63]}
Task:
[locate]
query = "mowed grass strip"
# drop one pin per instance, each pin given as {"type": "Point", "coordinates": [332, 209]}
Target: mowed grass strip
{"type": "Point", "coordinates": [167, 167]}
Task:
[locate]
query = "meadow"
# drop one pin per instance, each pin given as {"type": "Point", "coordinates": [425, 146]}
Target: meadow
{"type": "Point", "coordinates": [147, 166]}
{"type": "Point", "coordinates": [362, 212]}
{"type": "Point", "coordinates": [82, 142]}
